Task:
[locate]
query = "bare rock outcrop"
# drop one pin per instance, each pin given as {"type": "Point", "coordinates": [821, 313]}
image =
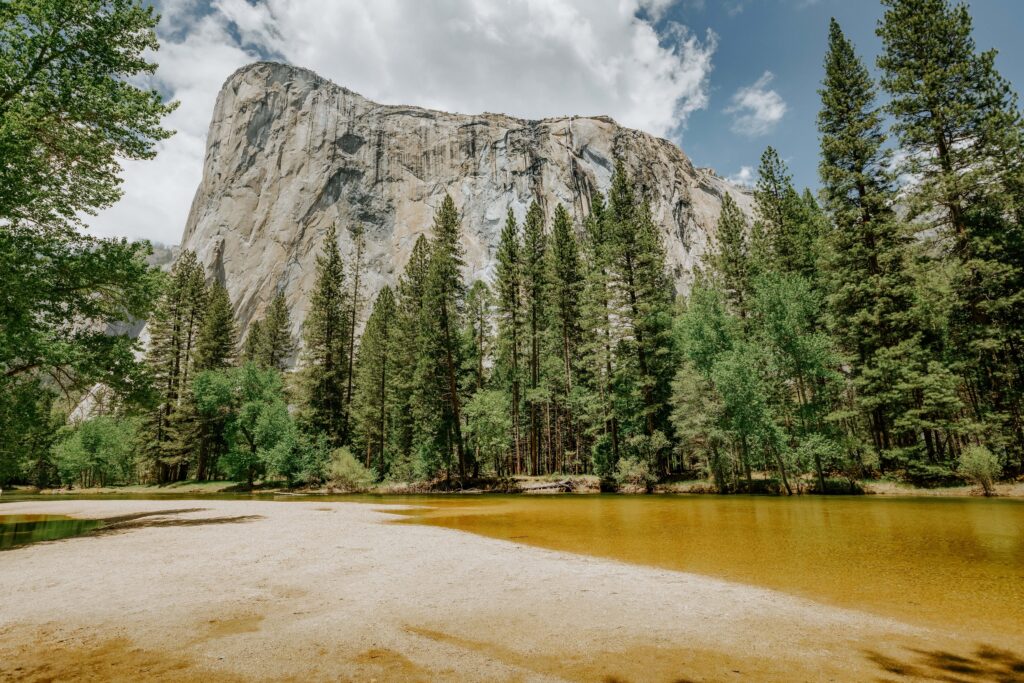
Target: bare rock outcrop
{"type": "Point", "coordinates": [290, 153]}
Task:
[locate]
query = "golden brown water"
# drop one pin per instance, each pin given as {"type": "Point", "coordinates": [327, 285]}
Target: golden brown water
{"type": "Point", "coordinates": [954, 563]}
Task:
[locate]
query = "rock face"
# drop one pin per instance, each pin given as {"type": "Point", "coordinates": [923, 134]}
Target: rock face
{"type": "Point", "coordinates": [290, 153]}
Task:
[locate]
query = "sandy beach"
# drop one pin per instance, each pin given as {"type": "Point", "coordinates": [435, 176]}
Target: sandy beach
{"type": "Point", "coordinates": [245, 590]}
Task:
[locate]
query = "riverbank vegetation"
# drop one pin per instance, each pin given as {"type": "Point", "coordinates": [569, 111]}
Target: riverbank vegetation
{"type": "Point", "coordinates": [872, 331]}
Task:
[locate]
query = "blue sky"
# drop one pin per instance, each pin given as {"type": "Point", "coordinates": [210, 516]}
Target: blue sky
{"type": "Point", "coordinates": [722, 78]}
{"type": "Point", "coordinates": [788, 38]}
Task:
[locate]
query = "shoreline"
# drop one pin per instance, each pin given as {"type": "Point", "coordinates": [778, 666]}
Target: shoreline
{"type": "Point", "coordinates": [252, 590]}
{"type": "Point", "coordinates": [586, 485]}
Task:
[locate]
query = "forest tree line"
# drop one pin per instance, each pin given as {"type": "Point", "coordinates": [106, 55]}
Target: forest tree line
{"type": "Point", "coordinates": [872, 330]}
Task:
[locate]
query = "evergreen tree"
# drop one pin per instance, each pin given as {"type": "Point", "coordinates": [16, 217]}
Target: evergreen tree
{"type": "Point", "coordinates": [173, 331]}
{"type": "Point", "coordinates": [276, 333]}
{"type": "Point", "coordinates": [477, 337]}
{"type": "Point", "coordinates": [958, 122]}
{"type": "Point", "coordinates": [644, 299]}
{"type": "Point", "coordinates": [354, 304]}
{"type": "Point", "coordinates": [731, 258]}
{"type": "Point", "coordinates": [510, 322]}
{"type": "Point", "coordinates": [535, 292]}
{"type": "Point", "coordinates": [253, 347]}
{"type": "Point", "coordinates": [439, 363]}
{"type": "Point", "coordinates": [218, 336]}
{"type": "Point", "coordinates": [411, 289]}
{"type": "Point", "coordinates": [566, 283]}
{"type": "Point", "coordinates": [870, 284]}
{"type": "Point", "coordinates": [326, 333]}
{"type": "Point", "coordinates": [375, 383]}
{"type": "Point", "coordinates": [215, 350]}
{"type": "Point", "coordinates": [785, 226]}
{"type": "Point", "coordinates": [600, 338]}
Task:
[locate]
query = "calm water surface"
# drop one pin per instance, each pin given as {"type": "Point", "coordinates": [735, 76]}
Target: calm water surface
{"type": "Point", "coordinates": [16, 530]}
{"type": "Point", "coordinates": [951, 562]}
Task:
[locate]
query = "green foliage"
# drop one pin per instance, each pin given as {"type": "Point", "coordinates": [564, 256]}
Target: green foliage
{"type": "Point", "coordinates": [981, 466]}
{"type": "Point", "coordinates": [217, 341]}
{"type": "Point", "coordinates": [959, 123]}
{"type": "Point", "coordinates": [731, 259]}
{"type": "Point", "coordinates": [634, 474]}
{"type": "Point", "coordinates": [277, 346]}
{"type": "Point", "coordinates": [69, 106]}
{"type": "Point", "coordinates": [262, 438]}
{"type": "Point", "coordinates": [437, 402]}
{"type": "Point", "coordinates": [347, 474]}
{"type": "Point", "coordinates": [489, 427]}
{"type": "Point", "coordinates": [375, 399]}
{"type": "Point", "coordinates": [173, 341]}
{"type": "Point", "coordinates": [69, 111]}
{"type": "Point", "coordinates": [326, 334]}
{"type": "Point", "coordinates": [98, 452]}
{"type": "Point", "coordinates": [510, 318]}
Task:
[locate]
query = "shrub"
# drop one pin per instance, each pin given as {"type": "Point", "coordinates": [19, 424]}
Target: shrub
{"type": "Point", "coordinates": [634, 474]}
{"type": "Point", "coordinates": [981, 466]}
{"type": "Point", "coordinates": [97, 452]}
{"type": "Point", "coordinates": [347, 473]}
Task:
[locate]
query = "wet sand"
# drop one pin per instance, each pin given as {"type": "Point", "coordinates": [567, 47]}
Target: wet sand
{"type": "Point", "coordinates": [247, 590]}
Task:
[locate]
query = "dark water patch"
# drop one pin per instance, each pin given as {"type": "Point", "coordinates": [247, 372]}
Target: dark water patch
{"type": "Point", "coordinates": [18, 530]}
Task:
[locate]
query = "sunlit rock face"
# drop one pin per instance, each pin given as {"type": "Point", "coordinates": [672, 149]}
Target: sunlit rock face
{"type": "Point", "coordinates": [290, 153]}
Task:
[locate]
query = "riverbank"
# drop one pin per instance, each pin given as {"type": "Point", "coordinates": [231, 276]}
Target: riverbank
{"type": "Point", "coordinates": [546, 485]}
{"type": "Point", "coordinates": [254, 590]}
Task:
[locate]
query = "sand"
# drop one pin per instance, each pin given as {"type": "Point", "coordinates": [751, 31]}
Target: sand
{"type": "Point", "coordinates": [307, 591]}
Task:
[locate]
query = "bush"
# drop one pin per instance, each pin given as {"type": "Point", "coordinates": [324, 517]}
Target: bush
{"type": "Point", "coordinates": [348, 474]}
{"type": "Point", "coordinates": [97, 452]}
{"type": "Point", "coordinates": [634, 474]}
{"type": "Point", "coordinates": [982, 466]}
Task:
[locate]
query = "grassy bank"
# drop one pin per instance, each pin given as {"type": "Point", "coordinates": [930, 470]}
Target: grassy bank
{"type": "Point", "coordinates": [543, 485]}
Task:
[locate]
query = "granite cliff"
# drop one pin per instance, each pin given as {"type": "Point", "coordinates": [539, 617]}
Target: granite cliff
{"type": "Point", "coordinates": [289, 153]}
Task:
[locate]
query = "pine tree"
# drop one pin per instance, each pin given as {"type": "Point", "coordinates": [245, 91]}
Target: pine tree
{"type": "Point", "coordinates": [252, 349]}
{"type": "Point", "coordinates": [326, 332]}
{"type": "Point", "coordinates": [783, 237]}
{"type": "Point", "coordinates": [477, 342]}
{"type": "Point", "coordinates": [375, 383]}
{"type": "Point", "coordinates": [731, 257]}
{"type": "Point", "coordinates": [958, 122]}
{"type": "Point", "coordinates": [411, 289]}
{"type": "Point", "coordinates": [477, 337]}
{"type": "Point", "coordinates": [276, 333]}
{"type": "Point", "coordinates": [217, 344]}
{"type": "Point", "coordinates": [510, 322]}
{"type": "Point", "coordinates": [354, 304]}
{"type": "Point", "coordinates": [216, 349]}
{"type": "Point", "coordinates": [870, 284]}
{"type": "Point", "coordinates": [644, 299]}
{"type": "Point", "coordinates": [600, 338]}
{"type": "Point", "coordinates": [440, 362]}
{"type": "Point", "coordinates": [535, 287]}
{"type": "Point", "coordinates": [173, 331]}
{"type": "Point", "coordinates": [566, 283]}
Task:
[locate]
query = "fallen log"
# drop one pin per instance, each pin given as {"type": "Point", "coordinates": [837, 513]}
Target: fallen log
{"type": "Point", "coordinates": [566, 486]}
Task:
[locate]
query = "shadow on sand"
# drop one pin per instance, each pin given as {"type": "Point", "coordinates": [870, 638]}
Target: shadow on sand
{"type": "Point", "coordinates": [159, 518]}
{"type": "Point", "coordinates": [985, 664]}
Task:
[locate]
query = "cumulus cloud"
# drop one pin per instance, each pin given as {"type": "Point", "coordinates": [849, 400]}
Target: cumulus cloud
{"type": "Point", "coordinates": [744, 177]}
{"type": "Point", "coordinates": [756, 108]}
{"type": "Point", "coordinates": [529, 58]}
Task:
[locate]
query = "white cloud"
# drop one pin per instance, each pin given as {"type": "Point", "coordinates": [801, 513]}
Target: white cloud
{"type": "Point", "coordinates": [529, 58]}
{"type": "Point", "coordinates": [744, 177]}
{"type": "Point", "coordinates": [755, 108]}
